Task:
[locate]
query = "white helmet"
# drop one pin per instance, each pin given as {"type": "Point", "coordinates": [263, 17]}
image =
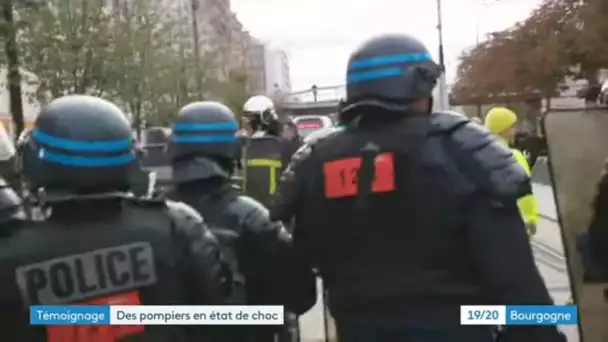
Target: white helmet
{"type": "Point", "coordinates": [261, 106]}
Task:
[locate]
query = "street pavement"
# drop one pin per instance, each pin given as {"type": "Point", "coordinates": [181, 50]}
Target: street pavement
{"type": "Point", "coordinates": [548, 250]}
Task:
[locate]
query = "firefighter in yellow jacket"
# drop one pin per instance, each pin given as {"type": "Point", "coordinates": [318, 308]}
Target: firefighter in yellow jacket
{"type": "Point", "coordinates": [501, 121]}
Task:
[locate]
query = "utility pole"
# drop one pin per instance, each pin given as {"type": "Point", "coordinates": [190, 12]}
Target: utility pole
{"type": "Point", "coordinates": [477, 29]}
{"type": "Point", "coordinates": [13, 75]}
{"type": "Point", "coordinates": [197, 49]}
{"type": "Point", "coordinates": [443, 87]}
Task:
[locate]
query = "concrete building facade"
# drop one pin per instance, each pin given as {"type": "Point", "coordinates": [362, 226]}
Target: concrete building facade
{"type": "Point", "coordinates": [256, 70]}
{"type": "Point", "coordinates": [223, 41]}
{"type": "Point", "coordinates": [278, 79]}
{"type": "Point", "coordinates": [226, 47]}
{"type": "Point", "coordinates": [268, 70]}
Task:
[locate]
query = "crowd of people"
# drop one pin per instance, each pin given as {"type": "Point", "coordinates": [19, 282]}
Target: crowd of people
{"type": "Point", "coordinates": [406, 214]}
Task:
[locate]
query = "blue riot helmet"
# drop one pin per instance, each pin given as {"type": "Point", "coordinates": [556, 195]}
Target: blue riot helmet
{"type": "Point", "coordinates": [204, 142]}
{"type": "Point", "coordinates": [389, 72]}
{"type": "Point", "coordinates": [79, 144]}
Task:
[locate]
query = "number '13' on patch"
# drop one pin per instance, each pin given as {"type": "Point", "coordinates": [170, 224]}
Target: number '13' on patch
{"type": "Point", "coordinates": [342, 176]}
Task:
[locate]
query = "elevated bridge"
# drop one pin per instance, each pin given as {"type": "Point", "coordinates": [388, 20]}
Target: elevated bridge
{"type": "Point", "coordinates": [321, 100]}
{"type": "Point", "coordinates": [325, 100]}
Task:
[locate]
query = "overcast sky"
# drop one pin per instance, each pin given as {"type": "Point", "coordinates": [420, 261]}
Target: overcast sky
{"type": "Point", "coordinates": [320, 34]}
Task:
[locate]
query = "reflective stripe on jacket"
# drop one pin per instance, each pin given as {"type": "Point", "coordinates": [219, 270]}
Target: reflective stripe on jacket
{"type": "Point", "coordinates": [528, 207]}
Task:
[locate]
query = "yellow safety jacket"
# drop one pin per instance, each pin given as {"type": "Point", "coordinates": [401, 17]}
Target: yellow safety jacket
{"type": "Point", "coordinates": [528, 207]}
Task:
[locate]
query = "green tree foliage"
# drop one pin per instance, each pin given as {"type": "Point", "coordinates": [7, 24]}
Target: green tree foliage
{"type": "Point", "coordinates": [67, 44]}
{"type": "Point", "coordinates": [236, 91]}
{"type": "Point", "coordinates": [143, 60]}
{"type": "Point", "coordinates": [138, 54]}
{"type": "Point", "coordinates": [588, 37]}
{"type": "Point", "coordinates": [537, 54]}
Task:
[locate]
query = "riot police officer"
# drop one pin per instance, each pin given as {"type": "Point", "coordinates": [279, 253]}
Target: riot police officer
{"type": "Point", "coordinates": [203, 149]}
{"type": "Point", "coordinates": [100, 246]}
{"type": "Point", "coordinates": [395, 209]}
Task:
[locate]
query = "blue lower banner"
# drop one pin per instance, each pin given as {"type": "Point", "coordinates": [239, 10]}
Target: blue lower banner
{"type": "Point", "coordinates": [69, 314]}
{"type": "Point", "coordinates": [518, 315]}
{"type": "Point", "coordinates": [541, 315]}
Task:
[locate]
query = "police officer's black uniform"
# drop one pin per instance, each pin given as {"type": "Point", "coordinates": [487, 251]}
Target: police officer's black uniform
{"type": "Point", "coordinates": [203, 151]}
{"type": "Point", "coordinates": [409, 215]}
{"type": "Point", "coordinates": [100, 246]}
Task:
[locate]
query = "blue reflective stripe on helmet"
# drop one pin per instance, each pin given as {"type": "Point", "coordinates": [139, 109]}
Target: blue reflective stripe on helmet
{"type": "Point", "coordinates": [79, 161]}
{"type": "Point", "coordinates": [219, 126]}
{"type": "Point", "coordinates": [372, 75]}
{"type": "Point", "coordinates": [75, 145]}
{"type": "Point", "coordinates": [390, 59]}
{"type": "Point", "coordinates": [203, 139]}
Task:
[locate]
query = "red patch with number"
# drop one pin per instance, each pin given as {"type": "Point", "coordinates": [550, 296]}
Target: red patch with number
{"type": "Point", "coordinates": [384, 176]}
{"type": "Point", "coordinates": [342, 176]}
{"type": "Point", "coordinates": [97, 333]}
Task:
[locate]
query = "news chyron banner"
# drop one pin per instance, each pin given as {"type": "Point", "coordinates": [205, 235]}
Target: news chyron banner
{"type": "Point", "coordinates": [577, 141]}
{"type": "Point", "coordinates": [155, 315]}
{"type": "Point", "coordinates": [105, 323]}
{"type": "Point", "coordinates": [518, 315]}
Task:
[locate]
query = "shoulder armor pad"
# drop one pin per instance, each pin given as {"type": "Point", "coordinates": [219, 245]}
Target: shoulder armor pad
{"type": "Point", "coordinates": [247, 207]}
{"type": "Point", "coordinates": [305, 150]}
{"type": "Point", "coordinates": [488, 162]}
{"type": "Point", "coordinates": [181, 213]}
{"type": "Point", "coordinates": [448, 121]}
{"type": "Point", "coordinates": [320, 135]}
{"type": "Point", "coordinates": [254, 216]}
{"type": "Point", "coordinates": [301, 154]}
{"type": "Point", "coordinates": [147, 202]}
